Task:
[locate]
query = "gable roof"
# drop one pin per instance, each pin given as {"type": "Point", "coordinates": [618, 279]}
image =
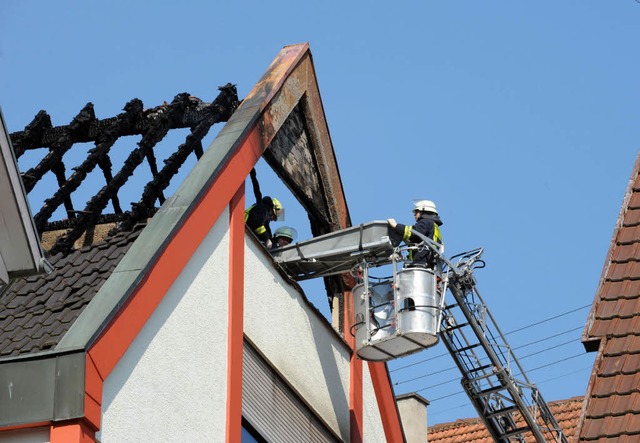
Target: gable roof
{"type": "Point", "coordinates": [282, 119]}
{"type": "Point", "coordinates": [294, 141]}
{"type": "Point", "coordinates": [612, 401]}
{"type": "Point", "coordinates": [36, 312]}
{"type": "Point", "coordinates": [566, 412]}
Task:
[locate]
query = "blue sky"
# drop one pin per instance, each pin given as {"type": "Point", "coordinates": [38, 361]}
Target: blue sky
{"type": "Point", "coordinates": [519, 119]}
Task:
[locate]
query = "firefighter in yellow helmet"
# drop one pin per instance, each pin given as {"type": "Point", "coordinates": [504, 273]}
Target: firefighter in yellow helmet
{"type": "Point", "coordinates": [259, 215]}
{"type": "Point", "coordinates": [427, 223]}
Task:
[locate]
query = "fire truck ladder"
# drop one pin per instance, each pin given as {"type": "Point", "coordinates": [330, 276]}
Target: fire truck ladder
{"type": "Point", "coordinates": [511, 407]}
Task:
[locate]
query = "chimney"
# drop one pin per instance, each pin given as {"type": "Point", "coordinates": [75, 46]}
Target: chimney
{"type": "Point", "coordinates": [413, 414]}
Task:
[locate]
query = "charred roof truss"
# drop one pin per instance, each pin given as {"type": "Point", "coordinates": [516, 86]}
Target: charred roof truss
{"type": "Point", "coordinates": [185, 111]}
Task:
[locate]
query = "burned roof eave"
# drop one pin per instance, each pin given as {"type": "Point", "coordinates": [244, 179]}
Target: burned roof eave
{"type": "Point", "coordinates": [301, 90]}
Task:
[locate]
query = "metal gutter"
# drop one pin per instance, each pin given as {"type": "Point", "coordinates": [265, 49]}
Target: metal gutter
{"type": "Point", "coordinates": [42, 388]}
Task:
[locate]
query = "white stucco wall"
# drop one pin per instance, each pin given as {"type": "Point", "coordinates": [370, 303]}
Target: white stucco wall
{"type": "Point", "coordinates": [373, 429]}
{"type": "Point", "coordinates": [171, 383]}
{"type": "Point", "coordinates": [37, 435]}
{"type": "Point", "coordinates": [414, 419]}
{"type": "Point", "coordinates": [309, 355]}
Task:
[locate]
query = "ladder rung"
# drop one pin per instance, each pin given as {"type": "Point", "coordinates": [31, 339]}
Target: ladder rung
{"type": "Point", "coordinates": [491, 391]}
{"type": "Point", "coordinates": [461, 325]}
{"type": "Point", "coordinates": [466, 348]}
{"type": "Point", "coordinates": [516, 432]}
{"type": "Point", "coordinates": [481, 368]}
{"type": "Point", "coordinates": [503, 411]}
{"type": "Point", "coordinates": [482, 376]}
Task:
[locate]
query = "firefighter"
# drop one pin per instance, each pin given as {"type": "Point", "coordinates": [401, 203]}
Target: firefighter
{"type": "Point", "coordinates": [428, 224]}
{"type": "Point", "coordinates": [259, 215]}
{"type": "Point", "coordinates": [283, 236]}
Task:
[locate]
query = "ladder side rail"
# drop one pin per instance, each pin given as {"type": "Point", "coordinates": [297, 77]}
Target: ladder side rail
{"type": "Point", "coordinates": [481, 405]}
{"type": "Point", "coordinates": [459, 295]}
{"type": "Point", "coordinates": [497, 427]}
{"type": "Point", "coordinates": [476, 306]}
{"type": "Point", "coordinates": [457, 289]}
{"type": "Point", "coordinates": [548, 418]}
{"type": "Point", "coordinates": [512, 356]}
{"type": "Point", "coordinates": [539, 406]}
{"type": "Point", "coordinates": [463, 353]}
{"type": "Point", "coordinates": [493, 424]}
{"type": "Point", "coordinates": [467, 360]}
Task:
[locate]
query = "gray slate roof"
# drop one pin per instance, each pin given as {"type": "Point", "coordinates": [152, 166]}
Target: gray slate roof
{"type": "Point", "coordinates": [36, 311]}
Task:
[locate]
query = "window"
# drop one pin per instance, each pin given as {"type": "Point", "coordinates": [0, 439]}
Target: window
{"type": "Point", "coordinates": [249, 434]}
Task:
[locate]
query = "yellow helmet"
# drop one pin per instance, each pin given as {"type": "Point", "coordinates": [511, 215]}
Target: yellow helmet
{"type": "Point", "coordinates": [278, 210]}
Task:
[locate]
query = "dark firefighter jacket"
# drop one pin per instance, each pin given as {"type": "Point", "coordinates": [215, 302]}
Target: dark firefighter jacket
{"type": "Point", "coordinates": [257, 217]}
{"type": "Point", "coordinates": [428, 225]}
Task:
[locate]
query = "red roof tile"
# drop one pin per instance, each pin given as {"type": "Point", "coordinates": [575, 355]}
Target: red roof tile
{"type": "Point", "coordinates": [634, 202]}
{"type": "Point", "coordinates": [612, 404]}
{"type": "Point", "coordinates": [629, 234]}
{"type": "Point", "coordinates": [473, 430]}
{"type": "Point", "coordinates": [632, 218]}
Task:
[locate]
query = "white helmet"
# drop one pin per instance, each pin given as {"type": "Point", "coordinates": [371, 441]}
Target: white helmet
{"type": "Point", "coordinates": [424, 206]}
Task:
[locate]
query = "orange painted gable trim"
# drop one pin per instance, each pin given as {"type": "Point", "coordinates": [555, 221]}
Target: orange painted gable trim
{"type": "Point", "coordinates": [120, 333]}
{"type": "Point", "coordinates": [386, 401]}
{"type": "Point", "coordinates": [117, 336]}
{"type": "Point", "coordinates": [235, 305]}
{"type": "Point", "coordinates": [355, 375]}
{"type": "Point", "coordinates": [92, 393]}
{"type": "Point", "coordinates": [72, 431]}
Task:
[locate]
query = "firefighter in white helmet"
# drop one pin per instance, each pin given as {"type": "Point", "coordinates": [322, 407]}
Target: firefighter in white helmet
{"type": "Point", "coordinates": [283, 236]}
{"type": "Point", "coordinates": [427, 223]}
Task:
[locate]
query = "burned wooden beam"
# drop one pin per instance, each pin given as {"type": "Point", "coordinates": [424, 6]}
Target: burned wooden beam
{"type": "Point", "coordinates": [106, 139]}
{"type": "Point", "coordinates": [185, 111]}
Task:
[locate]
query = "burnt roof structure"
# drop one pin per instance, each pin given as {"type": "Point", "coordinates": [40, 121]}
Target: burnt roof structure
{"type": "Point", "coordinates": [64, 334]}
{"type": "Point", "coordinates": [152, 125]}
{"type": "Point", "coordinates": [85, 248]}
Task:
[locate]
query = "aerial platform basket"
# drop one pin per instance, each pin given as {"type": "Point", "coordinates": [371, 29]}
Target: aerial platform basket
{"type": "Point", "coordinates": [338, 252]}
{"type": "Point", "coordinates": [393, 318]}
{"type": "Point", "coordinates": [397, 317]}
